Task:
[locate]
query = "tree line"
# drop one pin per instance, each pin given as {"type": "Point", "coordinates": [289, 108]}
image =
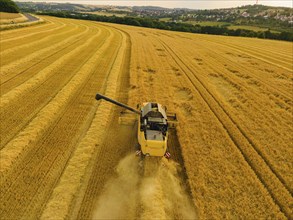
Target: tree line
{"type": "Point", "coordinates": [172, 26]}
{"type": "Point", "coordinates": [8, 6]}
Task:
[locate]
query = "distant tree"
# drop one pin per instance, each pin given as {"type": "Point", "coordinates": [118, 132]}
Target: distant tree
{"type": "Point", "coordinates": [286, 36]}
{"type": "Point", "coordinates": [261, 34]}
{"type": "Point", "coordinates": [154, 23]}
{"type": "Point", "coordinates": [8, 6]}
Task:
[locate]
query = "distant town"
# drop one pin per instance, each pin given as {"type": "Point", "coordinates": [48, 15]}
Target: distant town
{"type": "Point", "coordinates": [254, 11]}
{"type": "Point", "coordinates": [250, 17]}
{"type": "Point", "coordinates": [251, 11]}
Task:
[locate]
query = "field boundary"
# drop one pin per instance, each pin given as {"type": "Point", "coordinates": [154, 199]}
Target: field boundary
{"type": "Point", "coordinates": [27, 23]}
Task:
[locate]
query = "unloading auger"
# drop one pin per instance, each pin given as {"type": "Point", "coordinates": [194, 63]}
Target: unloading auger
{"type": "Point", "coordinates": [153, 125]}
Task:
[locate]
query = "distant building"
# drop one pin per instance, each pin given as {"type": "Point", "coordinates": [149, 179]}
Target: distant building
{"type": "Point", "coordinates": [245, 14]}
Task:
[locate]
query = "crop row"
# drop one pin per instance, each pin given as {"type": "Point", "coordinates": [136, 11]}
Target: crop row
{"type": "Point", "coordinates": [55, 107]}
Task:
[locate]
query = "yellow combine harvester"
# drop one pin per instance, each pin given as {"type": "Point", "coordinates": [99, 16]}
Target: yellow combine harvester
{"type": "Point", "coordinates": [153, 125]}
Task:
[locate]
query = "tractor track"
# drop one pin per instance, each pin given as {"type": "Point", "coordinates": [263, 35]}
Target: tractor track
{"type": "Point", "coordinates": [276, 197]}
{"type": "Point", "coordinates": [243, 69]}
{"type": "Point", "coordinates": [283, 93]}
{"type": "Point", "coordinates": [238, 48]}
{"type": "Point", "coordinates": [234, 79]}
{"type": "Point", "coordinates": [274, 52]}
{"type": "Point", "coordinates": [256, 148]}
{"type": "Point", "coordinates": [258, 56]}
{"type": "Point", "coordinates": [239, 128]}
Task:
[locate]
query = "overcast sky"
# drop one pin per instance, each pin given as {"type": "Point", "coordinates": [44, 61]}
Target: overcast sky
{"type": "Point", "coordinates": [194, 4]}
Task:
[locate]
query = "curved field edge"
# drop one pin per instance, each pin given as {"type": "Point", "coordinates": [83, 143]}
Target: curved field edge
{"type": "Point", "coordinates": [21, 23]}
{"type": "Point", "coordinates": [6, 18]}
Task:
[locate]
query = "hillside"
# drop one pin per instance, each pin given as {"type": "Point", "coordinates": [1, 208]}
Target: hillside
{"type": "Point", "coordinates": [8, 6]}
{"type": "Point", "coordinates": [247, 21]}
{"type": "Point", "coordinates": [275, 18]}
{"type": "Point", "coordinates": [66, 155]}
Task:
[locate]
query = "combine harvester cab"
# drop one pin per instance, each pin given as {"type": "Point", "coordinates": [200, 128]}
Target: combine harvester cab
{"type": "Point", "coordinates": [153, 129]}
{"type": "Point", "coordinates": [153, 125]}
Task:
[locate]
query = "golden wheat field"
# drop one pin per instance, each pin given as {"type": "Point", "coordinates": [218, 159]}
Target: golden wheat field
{"type": "Point", "coordinates": [11, 17]}
{"type": "Point", "coordinates": [65, 156]}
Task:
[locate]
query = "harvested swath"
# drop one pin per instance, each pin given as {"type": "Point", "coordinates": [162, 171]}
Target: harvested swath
{"type": "Point", "coordinates": [18, 114]}
{"type": "Point", "coordinates": [48, 36]}
{"type": "Point", "coordinates": [76, 118]}
{"type": "Point", "coordinates": [24, 73]}
{"type": "Point", "coordinates": [43, 94]}
{"type": "Point", "coordinates": [14, 34]}
{"type": "Point", "coordinates": [6, 70]}
{"type": "Point", "coordinates": [83, 85]}
{"type": "Point", "coordinates": [88, 147]}
{"type": "Point", "coordinates": [13, 149]}
{"type": "Point", "coordinates": [39, 78]}
{"type": "Point", "coordinates": [110, 152]}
